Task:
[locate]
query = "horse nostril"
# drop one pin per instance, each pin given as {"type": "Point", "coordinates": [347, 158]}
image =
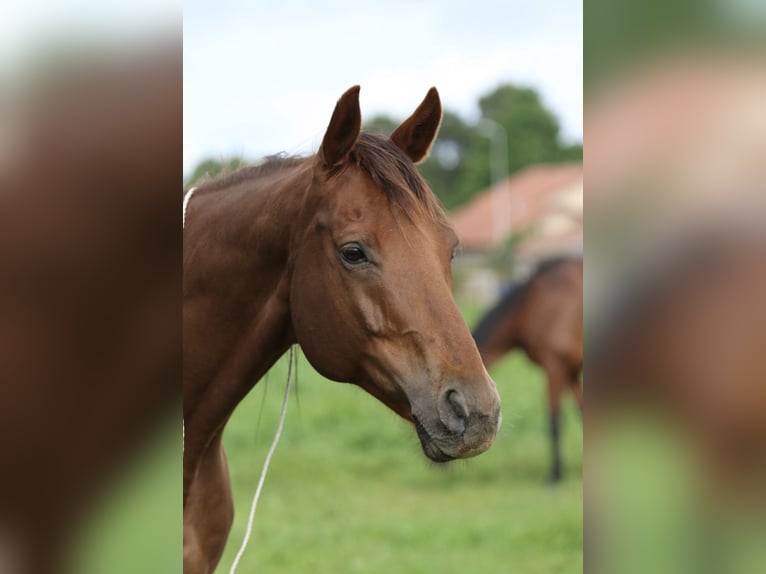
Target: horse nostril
{"type": "Point", "coordinates": [453, 410]}
{"type": "Point", "coordinates": [457, 400]}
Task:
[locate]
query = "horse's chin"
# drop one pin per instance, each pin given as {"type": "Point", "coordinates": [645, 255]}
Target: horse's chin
{"type": "Point", "coordinates": [429, 446]}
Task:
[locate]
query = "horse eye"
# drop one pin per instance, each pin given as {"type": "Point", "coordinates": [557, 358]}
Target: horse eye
{"type": "Point", "coordinates": [353, 254]}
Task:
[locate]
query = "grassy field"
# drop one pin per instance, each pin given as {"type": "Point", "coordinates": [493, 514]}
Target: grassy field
{"type": "Point", "coordinates": [349, 490]}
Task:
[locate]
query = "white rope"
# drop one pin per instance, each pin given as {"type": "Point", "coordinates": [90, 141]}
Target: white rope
{"type": "Point", "coordinates": [273, 447]}
{"type": "Point", "coordinates": [187, 197]}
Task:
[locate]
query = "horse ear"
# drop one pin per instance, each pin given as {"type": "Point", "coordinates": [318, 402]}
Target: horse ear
{"type": "Point", "coordinates": [343, 131]}
{"type": "Point", "coordinates": [416, 134]}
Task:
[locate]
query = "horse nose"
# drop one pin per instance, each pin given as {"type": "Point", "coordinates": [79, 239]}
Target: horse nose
{"type": "Point", "coordinates": [453, 410]}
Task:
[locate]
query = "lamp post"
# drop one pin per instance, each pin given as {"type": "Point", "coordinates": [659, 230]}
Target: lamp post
{"type": "Point", "coordinates": [498, 169]}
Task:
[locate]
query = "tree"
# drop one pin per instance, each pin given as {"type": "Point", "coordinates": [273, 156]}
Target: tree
{"type": "Point", "coordinates": [381, 124]}
{"type": "Point", "coordinates": [211, 167]}
{"type": "Point", "coordinates": [533, 136]}
{"type": "Point", "coordinates": [443, 170]}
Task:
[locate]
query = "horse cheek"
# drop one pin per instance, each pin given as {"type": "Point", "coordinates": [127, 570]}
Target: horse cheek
{"type": "Point", "coordinates": [318, 327]}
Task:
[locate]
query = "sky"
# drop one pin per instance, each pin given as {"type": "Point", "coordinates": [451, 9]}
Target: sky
{"type": "Point", "coordinates": [263, 77]}
{"type": "Point", "coordinates": [29, 26]}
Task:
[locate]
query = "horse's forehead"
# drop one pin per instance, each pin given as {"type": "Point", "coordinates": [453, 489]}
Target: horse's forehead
{"type": "Point", "coordinates": [356, 201]}
{"type": "Point", "coordinates": [358, 197]}
{"type": "Point", "coordinates": [355, 185]}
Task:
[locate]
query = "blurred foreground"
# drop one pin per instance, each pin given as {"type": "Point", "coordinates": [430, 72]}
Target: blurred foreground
{"type": "Point", "coordinates": [90, 242]}
{"type": "Point", "coordinates": [675, 313]}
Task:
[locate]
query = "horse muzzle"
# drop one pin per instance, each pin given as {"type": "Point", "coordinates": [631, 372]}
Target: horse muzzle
{"type": "Point", "coordinates": [457, 431]}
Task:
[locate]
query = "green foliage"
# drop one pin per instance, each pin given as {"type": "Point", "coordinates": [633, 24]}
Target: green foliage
{"type": "Point", "coordinates": [211, 167]}
{"type": "Point", "coordinates": [444, 169]}
{"type": "Point", "coordinates": [532, 134]}
{"type": "Point", "coordinates": [381, 124]}
{"type": "Point", "coordinates": [620, 34]}
{"type": "Point", "coordinates": [571, 152]}
{"type": "Point", "coordinates": [532, 130]}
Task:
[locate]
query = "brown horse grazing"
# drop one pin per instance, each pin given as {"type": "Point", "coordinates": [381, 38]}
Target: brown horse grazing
{"type": "Point", "coordinates": [346, 253]}
{"type": "Point", "coordinates": [544, 317]}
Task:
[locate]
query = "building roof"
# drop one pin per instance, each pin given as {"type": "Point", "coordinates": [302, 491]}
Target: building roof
{"type": "Point", "coordinates": [546, 198]}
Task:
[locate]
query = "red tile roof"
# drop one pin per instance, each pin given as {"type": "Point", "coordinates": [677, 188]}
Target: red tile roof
{"type": "Point", "coordinates": [517, 203]}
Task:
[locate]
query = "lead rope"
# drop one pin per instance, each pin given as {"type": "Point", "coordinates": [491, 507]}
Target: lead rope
{"type": "Point", "coordinates": [187, 198]}
{"type": "Point", "coordinates": [266, 463]}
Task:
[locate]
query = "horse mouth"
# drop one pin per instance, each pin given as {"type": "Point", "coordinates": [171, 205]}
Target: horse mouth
{"type": "Point", "coordinates": [430, 449]}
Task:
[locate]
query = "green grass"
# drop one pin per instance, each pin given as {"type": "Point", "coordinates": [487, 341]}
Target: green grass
{"type": "Point", "coordinates": [349, 489]}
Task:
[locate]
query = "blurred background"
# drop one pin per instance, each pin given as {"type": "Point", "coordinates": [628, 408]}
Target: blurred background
{"type": "Point", "coordinates": [90, 246]}
{"type": "Point", "coordinates": [349, 489]}
{"type": "Point", "coordinates": [674, 301]}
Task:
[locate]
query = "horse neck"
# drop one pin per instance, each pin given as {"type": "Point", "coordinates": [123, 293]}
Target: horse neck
{"type": "Point", "coordinates": [240, 236]}
{"type": "Point", "coordinates": [252, 222]}
{"type": "Point", "coordinates": [510, 332]}
{"type": "Point", "coordinates": [500, 331]}
{"type": "Point", "coordinates": [260, 211]}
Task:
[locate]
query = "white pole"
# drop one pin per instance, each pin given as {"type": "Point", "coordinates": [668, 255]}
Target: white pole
{"type": "Point", "coordinates": [498, 169]}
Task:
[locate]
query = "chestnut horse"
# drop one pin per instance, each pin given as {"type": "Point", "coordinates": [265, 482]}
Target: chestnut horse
{"type": "Point", "coordinates": [346, 253]}
{"type": "Point", "coordinates": [544, 317]}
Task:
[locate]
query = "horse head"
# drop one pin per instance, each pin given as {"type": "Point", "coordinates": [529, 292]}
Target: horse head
{"type": "Point", "coordinates": [371, 286]}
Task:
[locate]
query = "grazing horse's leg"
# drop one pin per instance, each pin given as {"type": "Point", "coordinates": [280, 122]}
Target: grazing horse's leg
{"type": "Point", "coordinates": [556, 384]}
{"type": "Point", "coordinates": [209, 512]}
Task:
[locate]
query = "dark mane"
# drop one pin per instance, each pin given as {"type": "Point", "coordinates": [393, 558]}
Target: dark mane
{"type": "Point", "coordinates": [514, 296]}
{"type": "Point", "coordinates": [547, 264]}
{"type": "Point", "coordinates": [378, 156]}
